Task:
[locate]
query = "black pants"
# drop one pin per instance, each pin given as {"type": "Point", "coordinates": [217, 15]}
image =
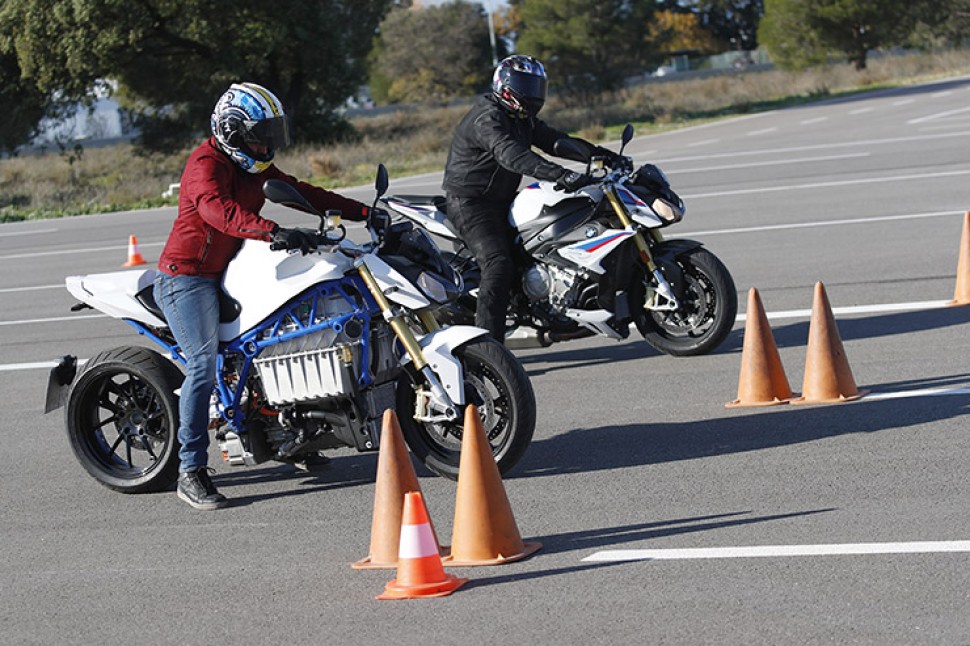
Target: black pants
{"type": "Point", "coordinates": [484, 228]}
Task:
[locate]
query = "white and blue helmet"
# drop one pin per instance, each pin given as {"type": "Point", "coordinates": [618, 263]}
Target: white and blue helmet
{"type": "Point", "coordinates": [248, 115]}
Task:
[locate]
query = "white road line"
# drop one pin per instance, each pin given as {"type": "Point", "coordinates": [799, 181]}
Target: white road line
{"type": "Point", "coordinates": [61, 252]}
{"type": "Point", "coordinates": [855, 309]}
{"type": "Point", "coordinates": [848, 182]}
{"type": "Point", "coordinates": [798, 160]}
{"type": "Point", "coordinates": [839, 144]}
{"type": "Point", "coordinates": [921, 392]}
{"type": "Point", "coordinates": [769, 551]}
{"type": "Point", "coordinates": [12, 367]}
{"type": "Point", "coordinates": [763, 131]}
{"type": "Point", "coordinates": [937, 115]}
{"type": "Point", "coordinates": [861, 110]}
{"type": "Point", "coordinates": [7, 290]}
{"type": "Point", "coordinates": [56, 319]}
{"type": "Point", "coordinates": [26, 233]}
{"type": "Point", "coordinates": [808, 225]}
{"type": "Point", "coordinates": [808, 122]}
{"type": "Point", "coordinates": [703, 142]}
{"type": "Point", "coordinates": [903, 102]}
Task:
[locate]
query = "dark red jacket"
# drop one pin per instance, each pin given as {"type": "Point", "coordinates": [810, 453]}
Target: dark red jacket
{"type": "Point", "coordinates": [219, 206]}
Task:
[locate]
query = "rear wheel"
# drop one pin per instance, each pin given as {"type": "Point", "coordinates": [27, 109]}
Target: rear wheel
{"type": "Point", "coordinates": [498, 386]}
{"type": "Point", "coordinates": [122, 419]}
{"type": "Point", "coordinates": [708, 308]}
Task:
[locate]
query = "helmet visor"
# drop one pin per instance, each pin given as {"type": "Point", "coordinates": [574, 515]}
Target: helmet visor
{"type": "Point", "coordinates": [273, 133]}
{"type": "Point", "coordinates": [528, 87]}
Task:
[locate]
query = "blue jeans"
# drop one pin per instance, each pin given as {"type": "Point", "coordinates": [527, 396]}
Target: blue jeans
{"type": "Point", "coordinates": [191, 307]}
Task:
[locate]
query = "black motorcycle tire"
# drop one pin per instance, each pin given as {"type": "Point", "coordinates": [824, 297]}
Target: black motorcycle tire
{"type": "Point", "coordinates": [122, 418]}
{"type": "Point", "coordinates": [497, 384]}
{"type": "Point", "coordinates": [711, 298]}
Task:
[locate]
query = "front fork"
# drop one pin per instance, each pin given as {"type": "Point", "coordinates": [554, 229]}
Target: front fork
{"type": "Point", "coordinates": [662, 289]}
{"type": "Point", "coordinates": [446, 409]}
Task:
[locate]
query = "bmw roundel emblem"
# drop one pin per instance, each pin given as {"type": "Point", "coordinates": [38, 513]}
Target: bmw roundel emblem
{"type": "Point", "coordinates": [591, 232]}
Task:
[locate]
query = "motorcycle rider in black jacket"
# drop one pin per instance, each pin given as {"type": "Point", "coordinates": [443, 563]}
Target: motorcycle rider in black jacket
{"type": "Point", "coordinates": [490, 152]}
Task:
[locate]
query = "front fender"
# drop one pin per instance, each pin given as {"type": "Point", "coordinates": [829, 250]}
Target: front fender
{"type": "Point", "coordinates": [439, 348]}
{"type": "Point", "coordinates": [670, 249]}
{"type": "Point", "coordinates": [665, 255]}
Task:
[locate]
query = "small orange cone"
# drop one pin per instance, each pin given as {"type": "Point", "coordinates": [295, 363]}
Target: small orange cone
{"type": "Point", "coordinates": [762, 381]}
{"type": "Point", "coordinates": [484, 531]}
{"type": "Point", "coordinates": [419, 570]}
{"type": "Point", "coordinates": [828, 378]}
{"type": "Point", "coordinates": [134, 256]}
{"type": "Point", "coordinates": [395, 477]}
{"type": "Point", "coordinates": [961, 294]}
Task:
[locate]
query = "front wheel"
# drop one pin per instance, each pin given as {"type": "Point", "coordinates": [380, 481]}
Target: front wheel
{"type": "Point", "coordinates": [122, 419]}
{"type": "Point", "coordinates": [498, 386]}
{"type": "Point", "coordinates": [708, 306]}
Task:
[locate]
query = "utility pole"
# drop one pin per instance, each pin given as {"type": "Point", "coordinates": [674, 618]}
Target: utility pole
{"type": "Point", "coordinates": [491, 32]}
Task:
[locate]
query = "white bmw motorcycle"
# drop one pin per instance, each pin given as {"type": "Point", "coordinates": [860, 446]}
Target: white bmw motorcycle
{"type": "Point", "coordinates": [314, 346]}
{"type": "Point", "coordinates": [595, 260]}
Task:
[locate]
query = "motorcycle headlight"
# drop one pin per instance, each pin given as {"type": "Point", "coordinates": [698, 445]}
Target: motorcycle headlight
{"type": "Point", "coordinates": [437, 288]}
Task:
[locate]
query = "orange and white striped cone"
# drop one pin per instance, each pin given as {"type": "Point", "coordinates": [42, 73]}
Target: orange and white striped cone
{"type": "Point", "coordinates": [134, 256]}
{"type": "Point", "coordinates": [419, 570]}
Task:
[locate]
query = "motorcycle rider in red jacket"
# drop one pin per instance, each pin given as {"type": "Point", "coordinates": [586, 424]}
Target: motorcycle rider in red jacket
{"type": "Point", "coordinates": [220, 197]}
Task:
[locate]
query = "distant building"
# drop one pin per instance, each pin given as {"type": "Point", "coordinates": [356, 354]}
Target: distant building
{"type": "Point", "coordinates": [100, 122]}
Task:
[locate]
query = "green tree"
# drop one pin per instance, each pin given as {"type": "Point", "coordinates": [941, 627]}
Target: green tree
{"type": "Point", "coordinates": [587, 47]}
{"type": "Point", "coordinates": [733, 22]}
{"type": "Point", "coordinates": [26, 105]}
{"type": "Point", "coordinates": [432, 54]}
{"type": "Point", "coordinates": [172, 58]}
{"type": "Point", "coordinates": [798, 33]}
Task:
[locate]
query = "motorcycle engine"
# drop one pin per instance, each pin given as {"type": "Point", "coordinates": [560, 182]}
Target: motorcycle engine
{"type": "Point", "coordinates": [552, 285]}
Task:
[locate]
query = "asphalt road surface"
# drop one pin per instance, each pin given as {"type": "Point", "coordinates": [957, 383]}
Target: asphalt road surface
{"type": "Point", "coordinates": [664, 516]}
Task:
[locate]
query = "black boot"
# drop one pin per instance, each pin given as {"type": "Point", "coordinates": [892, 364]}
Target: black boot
{"type": "Point", "coordinates": [196, 488]}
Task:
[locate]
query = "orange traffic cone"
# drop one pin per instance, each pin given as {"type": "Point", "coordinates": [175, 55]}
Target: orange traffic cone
{"type": "Point", "coordinates": [134, 256]}
{"type": "Point", "coordinates": [395, 477]}
{"type": "Point", "coordinates": [419, 569]}
{"type": "Point", "coordinates": [762, 381]}
{"type": "Point", "coordinates": [961, 294]}
{"type": "Point", "coordinates": [828, 378]}
{"type": "Point", "coordinates": [484, 531]}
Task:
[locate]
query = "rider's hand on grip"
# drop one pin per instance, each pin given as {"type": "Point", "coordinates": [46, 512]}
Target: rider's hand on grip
{"type": "Point", "coordinates": [571, 181]}
{"type": "Point", "coordinates": [293, 239]}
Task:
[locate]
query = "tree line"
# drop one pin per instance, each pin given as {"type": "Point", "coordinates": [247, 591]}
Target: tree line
{"type": "Point", "coordinates": [168, 60]}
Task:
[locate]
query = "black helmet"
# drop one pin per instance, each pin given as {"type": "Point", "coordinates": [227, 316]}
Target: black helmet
{"type": "Point", "coordinates": [519, 84]}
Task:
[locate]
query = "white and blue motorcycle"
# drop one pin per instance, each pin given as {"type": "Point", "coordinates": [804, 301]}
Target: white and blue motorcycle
{"type": "Point", "coordinates": [315, 345]}
{"type": "Point", "coordinates": [594, 261]}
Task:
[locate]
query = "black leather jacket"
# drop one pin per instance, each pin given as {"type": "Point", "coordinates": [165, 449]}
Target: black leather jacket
{"type": "Point", "coordinates": [491, 151]}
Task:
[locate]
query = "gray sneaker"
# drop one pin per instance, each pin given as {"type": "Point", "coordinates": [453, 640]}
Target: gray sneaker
{"type": "Point", "coordinates": [196, 488]}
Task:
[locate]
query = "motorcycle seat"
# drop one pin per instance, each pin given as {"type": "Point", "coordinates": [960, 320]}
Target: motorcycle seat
{"type": "Point", "coordinates": [229, 307]}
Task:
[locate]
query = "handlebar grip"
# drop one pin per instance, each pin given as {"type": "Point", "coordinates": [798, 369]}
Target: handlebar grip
{"type": "Point", "coordinates": [277, 246]}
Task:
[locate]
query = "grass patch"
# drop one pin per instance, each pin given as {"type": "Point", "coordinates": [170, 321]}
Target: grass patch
{"type": "Point", "coordinates": [414, 141]}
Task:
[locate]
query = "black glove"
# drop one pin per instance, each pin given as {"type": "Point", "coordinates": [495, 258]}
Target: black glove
{"type": "Point", "coordinates": [571, 181]}
{"type": "Point", "coordinates": [294, 239]}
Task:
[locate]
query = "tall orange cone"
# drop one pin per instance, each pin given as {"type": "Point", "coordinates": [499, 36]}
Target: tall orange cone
{"type": "Point", "coordinates": [134, 256]}
{"type": "Point", "coordinates": [828, 378]}
{"type": "Point", "coordinates": [961, 293]}
{"type": "Point", "coordinates": [395, 477]}
{"type": "Point", "coordinates": [762, 381]}
{"type": "Point", "coordinates": [419, 569]}
{"type": "Point", "coordinates": [484, 531]}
